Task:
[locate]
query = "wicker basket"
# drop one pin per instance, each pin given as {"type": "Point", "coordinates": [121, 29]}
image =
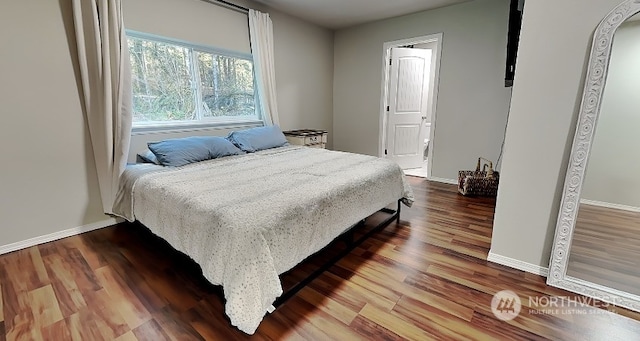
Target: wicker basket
{"type": "Point", "coordinates": [479, 182]}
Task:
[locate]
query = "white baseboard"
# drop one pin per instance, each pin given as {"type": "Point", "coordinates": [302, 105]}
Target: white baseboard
{"type": "Point", "coordinates": [518, 264]}
{"type": "Point", "coordinates": [610, 205]}
{"type": "Point", "coordinates": [57, 235]}
{"type": "Point", "coordinates": [443, 180]}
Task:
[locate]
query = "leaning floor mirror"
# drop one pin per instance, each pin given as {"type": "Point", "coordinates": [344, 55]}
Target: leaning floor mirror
{"type": "Point", "coordinates": [596, 250]}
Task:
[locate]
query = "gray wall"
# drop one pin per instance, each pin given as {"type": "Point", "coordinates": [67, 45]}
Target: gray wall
{"type": "Point", "coordinates": [472, 102]}
{"type": "Point", "coordinates": [194, 21]}
{"type": "Point", "coordinates": [48, 183]}
{"type": "Point", "coordinates": [613, 173]}
{"type": "Point", "coordinates": [554, 46]}
{"type": "Point", "coordinates": [48, 180]}
{"type": "Point", "coordinates": [304, 74]}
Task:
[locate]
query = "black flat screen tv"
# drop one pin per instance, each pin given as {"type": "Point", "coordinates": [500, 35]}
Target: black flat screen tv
{"type": "Point", "coordinates": [515, 22]}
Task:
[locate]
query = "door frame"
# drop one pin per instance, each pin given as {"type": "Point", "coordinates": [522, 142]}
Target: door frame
{"type": "Point", "coordinates": [384, 101]}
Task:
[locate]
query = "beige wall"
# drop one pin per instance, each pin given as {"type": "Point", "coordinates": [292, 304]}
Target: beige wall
{"type": "Point", "coordinates": [554, 46]}
{"type": "Point", "coordinates": [48, 181]}
{"type": "Point", "coordinates": [472, 102]}
{"type": "Point", "coordinates": [194, 21]}
{"type": "Point", "coordinates": [613, 172]}
{"type": "Point", "coordinates": [304, 74]}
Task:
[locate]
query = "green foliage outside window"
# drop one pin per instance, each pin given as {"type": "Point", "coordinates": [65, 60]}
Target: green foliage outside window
{"type": "Point", "coordinates": [179, 83]}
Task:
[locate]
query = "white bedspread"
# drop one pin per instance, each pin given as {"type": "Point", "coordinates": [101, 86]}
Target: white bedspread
{"type": "Point", "coordinates": [246, 219]}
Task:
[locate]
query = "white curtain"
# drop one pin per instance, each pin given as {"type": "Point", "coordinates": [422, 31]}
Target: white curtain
{"type": "Point", "coordinates": [105, 73]}
{"type": "Point", "coordinates": [261, 33]}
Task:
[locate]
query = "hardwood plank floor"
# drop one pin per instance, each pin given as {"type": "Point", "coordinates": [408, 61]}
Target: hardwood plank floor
{"type": "Point", "coordinates": [425, 278]}
{"type": "Point", "coordinates": [605, 248]}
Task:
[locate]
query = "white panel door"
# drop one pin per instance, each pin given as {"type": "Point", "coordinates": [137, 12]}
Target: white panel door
{"type": "Point", "coordinates": [408, 103]}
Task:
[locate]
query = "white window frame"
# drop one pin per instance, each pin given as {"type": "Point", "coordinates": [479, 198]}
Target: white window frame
{"type": "Point", "coordinates": [200, 123]}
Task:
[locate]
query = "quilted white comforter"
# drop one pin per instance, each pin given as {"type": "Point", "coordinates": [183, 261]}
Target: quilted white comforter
{"type": "Point", "coordinates": [246, 219]}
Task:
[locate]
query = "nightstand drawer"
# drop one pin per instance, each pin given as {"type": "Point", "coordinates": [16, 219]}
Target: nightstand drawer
{"type": "Point", "coordinates": [314, 139]}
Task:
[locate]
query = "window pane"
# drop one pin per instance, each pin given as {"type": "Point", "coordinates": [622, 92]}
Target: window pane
{"type": "Point", "coordinates": [161, 81]}
{"type": "Point", "coordinates": [226, 85]}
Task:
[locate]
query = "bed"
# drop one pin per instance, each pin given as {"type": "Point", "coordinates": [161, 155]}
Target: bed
{"type": "Point", "coordinates": [246, 219]}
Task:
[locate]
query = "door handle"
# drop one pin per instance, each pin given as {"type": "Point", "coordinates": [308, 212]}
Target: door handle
{"type": "Point", "coordinates": [424, 117]}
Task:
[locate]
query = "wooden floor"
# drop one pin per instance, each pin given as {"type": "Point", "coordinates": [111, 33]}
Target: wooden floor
{"type": "Point", "coordinates": [425, 278]}
{"type": "Point", "coordinates": [606, 248]}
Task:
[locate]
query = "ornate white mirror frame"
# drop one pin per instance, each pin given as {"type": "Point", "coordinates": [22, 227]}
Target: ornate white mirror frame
{"type": "Point", "coordinates": [589, 110]}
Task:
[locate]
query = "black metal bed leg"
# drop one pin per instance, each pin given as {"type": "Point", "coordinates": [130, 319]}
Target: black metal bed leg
{"type": "Point", "coordinates": [351, 243]}
{"type": "Point", "coordinates": [349, 237]}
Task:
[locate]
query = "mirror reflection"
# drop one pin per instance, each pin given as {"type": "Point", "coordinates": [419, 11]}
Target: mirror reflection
{"type": "Point", "coordinates": [605, 248]}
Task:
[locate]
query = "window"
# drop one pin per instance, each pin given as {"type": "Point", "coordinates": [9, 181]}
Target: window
{"type": "Point", "coordinates": [176, 83]}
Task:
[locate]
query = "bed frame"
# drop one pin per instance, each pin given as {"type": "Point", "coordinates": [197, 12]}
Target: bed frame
{"type": "Point", "coordinates": [351, 243]}
{"type": "Point", "coordinates": [347, 237]}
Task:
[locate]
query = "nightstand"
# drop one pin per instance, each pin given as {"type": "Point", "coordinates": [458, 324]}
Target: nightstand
{"type": "Point", "coordinates": [307, 137]}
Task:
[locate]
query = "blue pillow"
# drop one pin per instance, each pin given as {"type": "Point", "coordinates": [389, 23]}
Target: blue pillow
{"type": "Point", "coordinates": [147, 157]}
{"type": "Point", "coordinates": [255, 139]}
{"type": "Point", "coordinates": [220, 147]}
{"type": "Point", "coordinates": [182, 151]}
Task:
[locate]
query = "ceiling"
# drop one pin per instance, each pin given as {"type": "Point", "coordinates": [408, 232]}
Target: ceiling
{"type": "Point", "coordinates": [336, 14]}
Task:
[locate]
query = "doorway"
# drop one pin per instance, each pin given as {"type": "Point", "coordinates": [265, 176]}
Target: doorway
{"type": "Point", "coordinates": [408, 104]}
